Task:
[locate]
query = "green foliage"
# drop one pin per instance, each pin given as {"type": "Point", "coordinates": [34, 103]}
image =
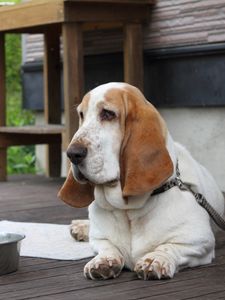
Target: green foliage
{"type": "Point", "coordinates": [13, 56]}
{"type": "Point", "coordinates": [15, 115]}
{"type": "Point", "coordinates": [19, 159]}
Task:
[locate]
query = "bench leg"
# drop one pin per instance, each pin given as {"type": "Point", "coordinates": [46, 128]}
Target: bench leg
{"type": "Point", "coordinates": [3, 164]}
{"type": "Point", "coordinates": [52, 92]}
{"type": "Point", "coordinates": [133, 55]}
{"type": "Point", "coordinates": [3, 152]}
{"type": "Point", "coordinates": [73, 68]}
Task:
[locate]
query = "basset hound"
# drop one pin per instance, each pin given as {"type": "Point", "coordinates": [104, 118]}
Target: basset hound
{"type": "Point", "coordinates": [121, 153]}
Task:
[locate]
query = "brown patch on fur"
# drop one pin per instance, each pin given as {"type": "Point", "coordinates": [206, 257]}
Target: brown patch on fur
{"type": "Point", "coordinates": [144, 161]}
{"type": "Point", "coordinates": [76, 194]}
{"type": "Point", "coordinates": [114, 98]}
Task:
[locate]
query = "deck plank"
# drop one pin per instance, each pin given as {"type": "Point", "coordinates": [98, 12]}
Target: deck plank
{"type": "Point", "coordinates": [34, 199]}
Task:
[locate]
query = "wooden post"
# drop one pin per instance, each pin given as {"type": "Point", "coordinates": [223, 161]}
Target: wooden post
{"type": "Point", "coordinates": [52, 92]}
{"type": "Point", "coordinates": [133, 55]}
{"type": "Point", "coordinates": [3, 150]}
{"type": "Point", "coordinates": [73, 69]}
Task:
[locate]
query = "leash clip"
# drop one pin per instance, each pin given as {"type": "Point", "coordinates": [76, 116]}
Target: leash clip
{"type": "Point", "coordinates": [180, 184]}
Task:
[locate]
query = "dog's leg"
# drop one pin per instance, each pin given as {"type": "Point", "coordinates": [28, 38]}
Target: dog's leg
{"type": "Point", "coordinates": [79, 229]}
{"type": "Point", "coordinates": [168, 259]}
{"type": "Point", "coordinates": [107, 264]}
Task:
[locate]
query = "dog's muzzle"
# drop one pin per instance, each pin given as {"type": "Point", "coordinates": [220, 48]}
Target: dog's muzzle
{"type": "Point", "coordinates": [76, 153]}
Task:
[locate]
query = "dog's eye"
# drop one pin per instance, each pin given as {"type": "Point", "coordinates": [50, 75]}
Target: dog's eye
{"type": "Point", "coordinates": [81, 115]}
{"type": "Point", "coordinates": [107, 115]}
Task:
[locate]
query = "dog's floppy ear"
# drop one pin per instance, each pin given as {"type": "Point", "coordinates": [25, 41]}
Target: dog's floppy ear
{"type": "Point", "coordinates": [145, 162]}
{"type": "Point", "coordinates": [76, 194]}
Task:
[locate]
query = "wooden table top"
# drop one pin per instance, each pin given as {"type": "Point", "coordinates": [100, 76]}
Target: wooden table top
{"type": "Point", "coordinates": [37, 14]}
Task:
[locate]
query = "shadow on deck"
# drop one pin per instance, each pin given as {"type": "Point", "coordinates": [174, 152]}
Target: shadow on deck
{"type": "Point", "coordinates": [33, 199]}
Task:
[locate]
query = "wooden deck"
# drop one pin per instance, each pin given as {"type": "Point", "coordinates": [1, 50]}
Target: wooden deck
{"type": "Point", "coordinates": [34, 199]}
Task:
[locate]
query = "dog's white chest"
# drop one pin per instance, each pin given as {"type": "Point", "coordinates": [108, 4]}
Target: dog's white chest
{"type": "Point", "coordinates": [124, 226]}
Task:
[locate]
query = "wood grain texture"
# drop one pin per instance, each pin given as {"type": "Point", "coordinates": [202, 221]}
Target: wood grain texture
{"type": "Point", "coordinates": [31, 135]}
{"type": "Point", "coordinates": [3, 162]}
{"type": "Point", "coordinates": [45, 12]}
{"type": "Point", "coordinates": [133, 55]}
{"type": "Point", "coordinates": [52, 92]}
{"type": "Point", "coordinates": [73, 69]}
{"type": "Point", "coordinates": [183, 22]}
{"type": "Point", "coordinates": [52, 89]}
{"type": "Point", "coordinates": [114, 1]}
{"type": "Point", "coordinates": [33, 199]}
{"type": "Point", "coordinates": [105, 12]}
{"type": "Point", "coordinates": [17, 139]}
{"type": "Point", "coordinates": [31, 14]}
{"type": "Point", "coordinates": [32, 130]}
{"type": "Point", "coordinates": [170, 24]}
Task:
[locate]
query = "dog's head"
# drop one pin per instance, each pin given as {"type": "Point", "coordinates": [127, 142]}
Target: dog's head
{"type": "Point", "coordinates": [121, 136]}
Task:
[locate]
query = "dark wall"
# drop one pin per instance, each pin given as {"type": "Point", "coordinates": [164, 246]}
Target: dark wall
{"type": "Point", "coordinates": [177, 77]}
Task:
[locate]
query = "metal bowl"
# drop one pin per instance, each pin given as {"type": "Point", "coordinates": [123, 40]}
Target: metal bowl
{"type": "Point", "coordinates": [9, 252]}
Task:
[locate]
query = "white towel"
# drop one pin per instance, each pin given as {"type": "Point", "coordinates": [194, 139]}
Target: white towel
{"type": "Point", "coordinates": [47, 241]}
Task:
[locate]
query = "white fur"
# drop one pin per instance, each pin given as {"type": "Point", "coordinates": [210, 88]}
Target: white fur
{"type": "Point", "coordinates": [104, 138]}
{"type": "Point", "coordinates": [154, 235]}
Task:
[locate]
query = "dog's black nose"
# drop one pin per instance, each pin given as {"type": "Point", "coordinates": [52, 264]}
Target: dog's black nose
{"type": "Point", "coordinates": [76, 153]}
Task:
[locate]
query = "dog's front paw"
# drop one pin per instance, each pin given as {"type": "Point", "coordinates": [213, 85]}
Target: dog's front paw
{"type": "Point", "coordinates": [79, 229]}
{"type": "Point", "coordinates": [155, 266]}
{"type": "Point", "coordinates": [103, 267]}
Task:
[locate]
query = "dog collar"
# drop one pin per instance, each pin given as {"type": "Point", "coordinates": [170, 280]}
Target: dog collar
{"type": "Point", "coordinates": [168, 185]}
{"type": "Point", "coordinates": [201, 200]}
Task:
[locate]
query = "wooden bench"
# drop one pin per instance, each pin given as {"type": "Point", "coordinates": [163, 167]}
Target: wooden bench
{"type": "Point", "coordinates": [66, 18]}
{"type": "Point", "coordinates": [27, 135]}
